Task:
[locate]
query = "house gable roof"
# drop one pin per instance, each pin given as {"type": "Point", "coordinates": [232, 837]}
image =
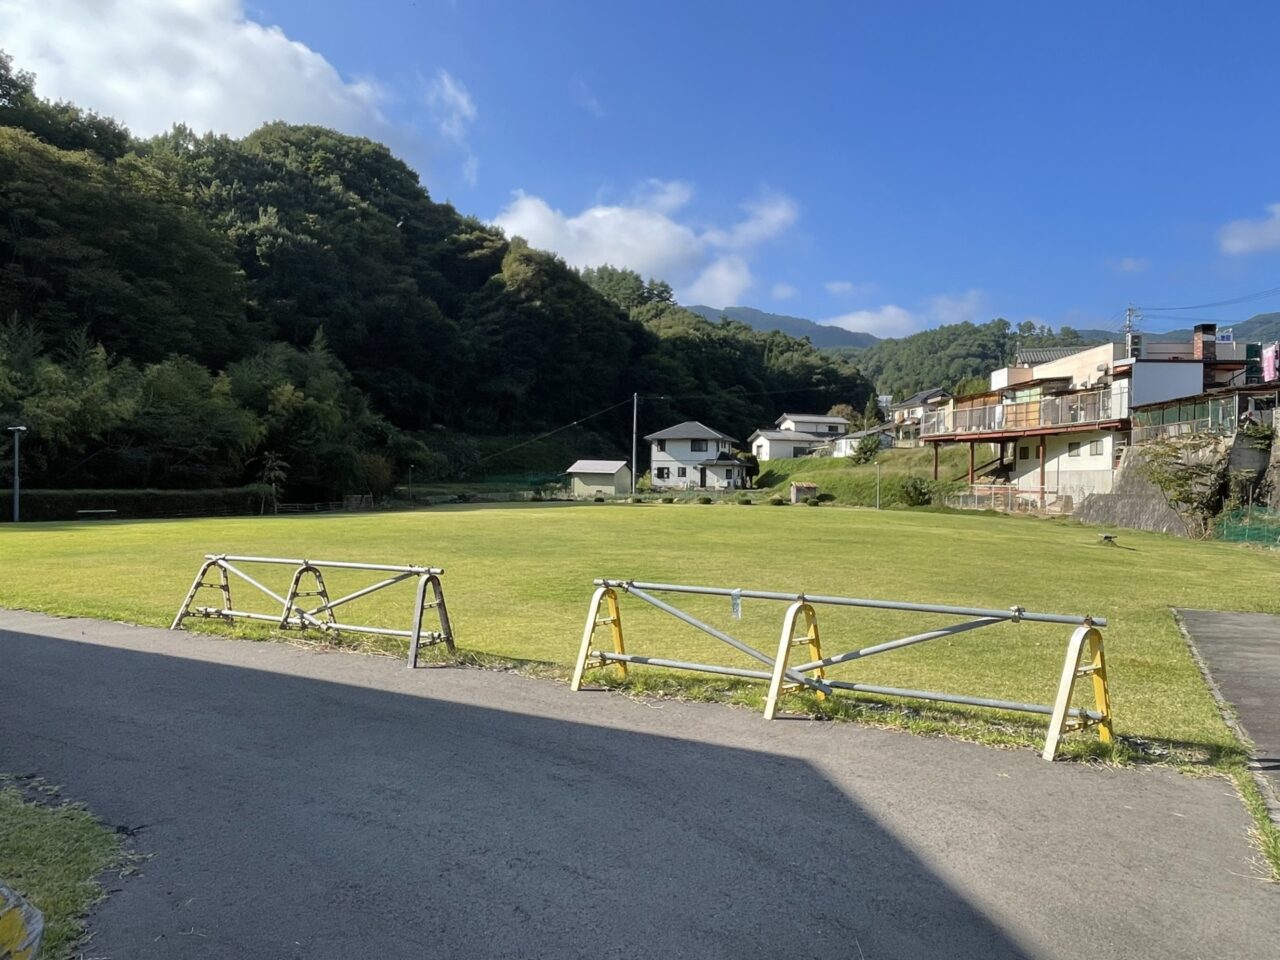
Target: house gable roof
{"type": "Point", "coordinates": [811, 418]}
{"type": "Point", "coordinates": [795, 435]}
{"type": "Point", "coordinates": [923, 396]}
{"type": "Point", "coordinates": [690, 430]}
{"type": "Point", "coordinates": [597, 466]}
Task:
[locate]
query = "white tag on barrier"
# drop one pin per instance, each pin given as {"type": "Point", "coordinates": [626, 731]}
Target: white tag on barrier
{"type": "Point", "coordinates": [735, 604]}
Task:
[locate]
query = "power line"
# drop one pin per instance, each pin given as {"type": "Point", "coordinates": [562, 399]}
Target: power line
{"type": "Point", "coordinates": [1247, 298]}
{"type": "Point", "coordinates": [551, 433]}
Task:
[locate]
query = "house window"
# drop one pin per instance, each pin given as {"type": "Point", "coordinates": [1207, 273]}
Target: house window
{"type": "Point", "coordinates": [832, 428]}
{"type": "Point", "coordinates": [728, 474]}
{"type": "Point", "coordinates": [1095, 448]}
{"type": "Point", "coordinates": [1073, 449]}
{"type": "Point", "coordinates": [1024, 453]}
{"type": "Point", "coordinates": [662, 473]}
{"type": "Point", "coordinates": [698, 446]}
{"type": "Point", "coordinates": [681, 472]}
{"type": "Point", "coordinates": [662, 446]}
{"type": "Point", "coordinates": [799, 451]}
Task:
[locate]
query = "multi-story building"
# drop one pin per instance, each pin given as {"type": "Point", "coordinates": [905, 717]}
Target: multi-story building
{"type": "Point", "coordinates": [1056, 428]}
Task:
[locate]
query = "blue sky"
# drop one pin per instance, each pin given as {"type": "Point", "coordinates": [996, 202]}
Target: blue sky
{"type": "Point", "coordinates": [887, 166]}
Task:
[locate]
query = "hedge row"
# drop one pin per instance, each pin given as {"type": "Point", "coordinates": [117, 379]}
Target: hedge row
{"type": "Point", "coordinates": [63, 504]}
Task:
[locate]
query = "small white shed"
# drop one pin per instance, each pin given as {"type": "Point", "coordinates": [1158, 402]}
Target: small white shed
{"type": "Point", "coordinates": [600, 477]}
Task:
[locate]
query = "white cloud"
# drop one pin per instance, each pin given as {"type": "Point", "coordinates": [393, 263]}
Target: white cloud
{"type": "Point", "coordinates": [847, 288]}
{"type": "Point", "coordinates": [783, 291]}
{"type": "Point", "coordinates": [722, 283]}
{"type": "Point", "coordinates": [451, 105]}
{"type": "Point", "coordinates": [1130, 264]}
{"type": "Point", "coordinates": [891, 320]}
{"type": "Point", "coordinates": [766, 217]}
{"type": "Point", "coordinates": [708, 266]}
{"type": "Point", "coordinates": [1251, 236]}
{"type": "Point", "coordinates": [151, 63]}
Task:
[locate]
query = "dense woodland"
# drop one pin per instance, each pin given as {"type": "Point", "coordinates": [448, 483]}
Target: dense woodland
{"type": "Point", "coordinates": [195, 311]}
{"type": "Point", "coordinates": [958, 356]}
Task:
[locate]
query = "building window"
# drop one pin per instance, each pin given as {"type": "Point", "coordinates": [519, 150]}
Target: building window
{"type": "Point", "coordinates": [681, 472]}
{"type": "Point", "coordinates": [698, 446]}
{"type": "Point", "coordinates": [728, 474]}
{"type": "Point", "coordinates": [1095, 448]}
{"type": "Point", "coordinates": [1073, 449]}
{"type": "Point", "coordinates": [832, 428]}
{"type": "Point", "coordinates": [662, 446]}
{"type": "Point", "coordinates": [1024, 453]}
{"type": "Point", "coordinates": [759, 450]}
{"type": "Point", "coordinates": [662, 473]}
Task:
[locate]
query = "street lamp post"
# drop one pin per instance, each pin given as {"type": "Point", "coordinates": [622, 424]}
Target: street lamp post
{"type": "Point", "coordinates": [17, 451]}
{"type": "Point", "coordinates": [877, 484]}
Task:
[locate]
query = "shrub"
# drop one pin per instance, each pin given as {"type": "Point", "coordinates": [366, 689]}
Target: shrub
{"type": "Point", "coordinates": [813, 502]}
{"type": "Point", "coordinates": [668, 499]}
{"type": "Point", "coordinates": [917, 492]}
{"type": "Point", "coordinates": [826, 497]}
{"type": "Point", "coordinates": [777, 502]}
{"type": "Point", "coordinates": [745, 501]}
{"type": "Point", "coordinates": [599, 499]}
{"type": "Point", "coordinates": [63, 504]}
{"type": "Point", "coordinates": [704, 499]}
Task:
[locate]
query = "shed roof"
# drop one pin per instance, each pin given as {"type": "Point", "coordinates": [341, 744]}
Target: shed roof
{"type": "Point", "coordinates": [597, 466]}
{"type": "Point", "coordinates": [1034, 355]}
{"type": "Point", "coordinates": [690, 430]}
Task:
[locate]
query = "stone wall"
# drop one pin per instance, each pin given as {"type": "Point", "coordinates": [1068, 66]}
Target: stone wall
{"type": "Point", "coordinates": [1134, 502]}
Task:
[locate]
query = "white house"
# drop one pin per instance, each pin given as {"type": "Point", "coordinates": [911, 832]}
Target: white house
{"type": "Point", "coordinates": [607, 477]}
{"type": "Point", "coordinates": [691, 454]}
{"type": "Point", "coordinates": [907, 416]}
{"type": "Point", "coordinates": [784, 444]}
{"type": "Point", "coordinates": [847, 445]}
{"type": "Point", "coordinates": [819, 423]}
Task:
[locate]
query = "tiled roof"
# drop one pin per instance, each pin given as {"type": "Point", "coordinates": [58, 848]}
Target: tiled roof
{"type": "Point", "coordinates": [690, 430]}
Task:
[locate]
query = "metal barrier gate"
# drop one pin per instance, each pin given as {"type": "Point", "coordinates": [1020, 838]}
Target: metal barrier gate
{"type": "Point", "coordinates": [1084, 656]}
{"type": "Point", "coordinates": [294, 616]}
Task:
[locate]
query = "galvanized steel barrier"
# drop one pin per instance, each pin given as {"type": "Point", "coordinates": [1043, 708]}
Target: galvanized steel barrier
{"type": "Point", "coordinates": [1084, 655]}
{"type": "Point", "coordinates": [292, 615]}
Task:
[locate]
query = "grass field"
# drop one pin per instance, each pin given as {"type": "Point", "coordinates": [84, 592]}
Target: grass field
{"type": "Point", "coordinates": [519, 577]}
{"type": "Point", "coordinates": [50, 853]}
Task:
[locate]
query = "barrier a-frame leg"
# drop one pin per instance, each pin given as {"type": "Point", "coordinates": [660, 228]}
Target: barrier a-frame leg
{"type": "Point", "coordinates": [788, 641]}
{"type": "Point", "coordinates": [223, 584]}
{"type": "Point", "coordinates": [445, 634]}
{"type": "Point", "coordinates": [290, 607]}
{"type": "Point", "coordinates": [1072, 670]}
{"type": "Point", "coordinates": [607, 596]}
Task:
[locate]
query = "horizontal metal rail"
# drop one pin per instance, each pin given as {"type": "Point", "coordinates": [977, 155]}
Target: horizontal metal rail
{"type": "Point", "coordinates": [335, 564]}
{"type": "Point", "coordinates": [784, 676]}
{"type": "Point", "coordinates": [1013, 613]}
{"type": "Point", "coordinates": [429, 595]}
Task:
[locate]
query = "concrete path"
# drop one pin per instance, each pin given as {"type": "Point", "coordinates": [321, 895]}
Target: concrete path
{"type": "Point", "coordinates": [314, 805]}
{"type": "Point", "coordinates": [1241, 651]}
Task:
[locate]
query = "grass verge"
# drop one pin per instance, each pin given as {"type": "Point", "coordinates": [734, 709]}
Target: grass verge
{"type": "Point", "coordinates": [51, 853]}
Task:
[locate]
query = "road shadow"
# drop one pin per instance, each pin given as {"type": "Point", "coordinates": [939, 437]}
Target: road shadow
{"type": "Point", "coordinates": [290, 817]}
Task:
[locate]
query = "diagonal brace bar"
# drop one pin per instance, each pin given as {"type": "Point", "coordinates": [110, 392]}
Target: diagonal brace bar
{"type": "Point", "coordinates": [896, 644]}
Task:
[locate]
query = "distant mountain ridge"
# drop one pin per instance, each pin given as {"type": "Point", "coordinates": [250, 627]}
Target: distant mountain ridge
{"type": "Point", "coordinates": [1262, 327]}
{"type": "Point", "coordinates": [819, 334]}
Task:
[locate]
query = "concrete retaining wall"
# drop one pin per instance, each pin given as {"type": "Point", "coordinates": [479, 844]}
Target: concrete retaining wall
{"type": "Point", "coordinates": [1134, 502]}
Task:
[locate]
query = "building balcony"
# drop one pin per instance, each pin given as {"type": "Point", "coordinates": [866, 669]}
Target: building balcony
{"type": "Point", "coordinates": [1045, 415]}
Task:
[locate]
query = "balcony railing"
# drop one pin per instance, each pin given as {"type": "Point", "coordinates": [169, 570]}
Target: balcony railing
{"type": "Point", "coordinates": [1087, 406]}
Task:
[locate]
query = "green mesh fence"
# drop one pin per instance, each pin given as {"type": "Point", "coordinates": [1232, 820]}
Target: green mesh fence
{"type": "Point", "coordinates": [1250, 525]}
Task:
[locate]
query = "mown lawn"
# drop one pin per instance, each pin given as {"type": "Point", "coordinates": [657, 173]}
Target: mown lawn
{"type": "Point", "coordinates": [519, 577]}
{"type": "Point", "coordinates": [50, 854]}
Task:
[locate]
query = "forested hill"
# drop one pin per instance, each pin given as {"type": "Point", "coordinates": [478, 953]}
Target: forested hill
{"type": "Point", "coordinates": [819, 334]}
{"type": "Point", "coordinates": [198, 310]}
{"type": "Point", "coordinates": [957, 356]}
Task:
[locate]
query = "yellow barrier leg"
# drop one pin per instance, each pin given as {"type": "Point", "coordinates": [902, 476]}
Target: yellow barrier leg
{"type": "Point", "coordinates": [788, 640]}
{"type": "Point", "coordinates": [1072, 670]}
{"type": "Point", "coordinates": [606, 596]}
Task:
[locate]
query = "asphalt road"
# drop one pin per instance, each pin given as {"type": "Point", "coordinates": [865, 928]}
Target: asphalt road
{"type": "Point", "coordinates": [1241, 652]}
{"type": "Point", "coordinates": [304, 804]}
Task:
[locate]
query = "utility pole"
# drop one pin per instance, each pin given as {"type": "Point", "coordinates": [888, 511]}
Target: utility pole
{"type": "Point", "coordinates": [635, 420]}
{"type": "Point", "coordinates": [17, 448]}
